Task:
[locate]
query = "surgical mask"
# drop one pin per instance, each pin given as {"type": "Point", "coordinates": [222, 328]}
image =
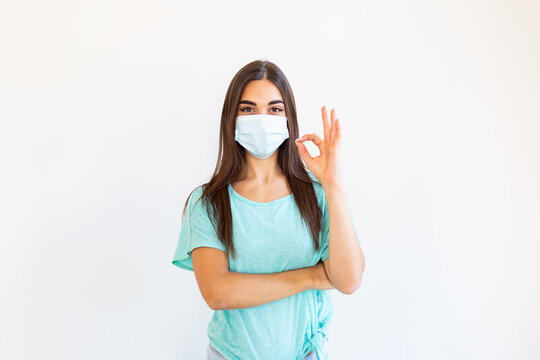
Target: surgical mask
{"type": "Point", "coordinates": [261, 134]}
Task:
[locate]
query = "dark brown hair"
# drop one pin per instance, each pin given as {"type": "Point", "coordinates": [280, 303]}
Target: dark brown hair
{"type": "Point", "coordinates": [232, 158]}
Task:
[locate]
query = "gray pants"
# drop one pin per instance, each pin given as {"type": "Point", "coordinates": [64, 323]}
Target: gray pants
{"type": "Point", "coordinates": [212, 354]}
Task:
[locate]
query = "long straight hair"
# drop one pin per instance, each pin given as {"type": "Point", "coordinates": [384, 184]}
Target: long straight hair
{"type": "Point", "coordinates": [232, 158]}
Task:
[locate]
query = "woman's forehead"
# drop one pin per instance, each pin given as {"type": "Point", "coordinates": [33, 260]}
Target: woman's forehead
{"type": "Point", "coordinates": [262, 90]}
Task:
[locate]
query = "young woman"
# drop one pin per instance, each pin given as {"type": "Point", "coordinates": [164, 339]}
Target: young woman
{"type": "Point", "coordinates": [267, 237]}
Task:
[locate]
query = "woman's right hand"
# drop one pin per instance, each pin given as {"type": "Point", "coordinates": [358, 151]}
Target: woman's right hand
{"type": "Point", "coordinates": [320, 279]}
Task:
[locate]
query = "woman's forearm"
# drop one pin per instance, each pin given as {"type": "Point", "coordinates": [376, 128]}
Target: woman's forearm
{"type": "Point", "coordinates": [243, 290]}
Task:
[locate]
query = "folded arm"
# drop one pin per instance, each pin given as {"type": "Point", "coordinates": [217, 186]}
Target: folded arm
{"type": "Point", "coordinates": [225, 290]}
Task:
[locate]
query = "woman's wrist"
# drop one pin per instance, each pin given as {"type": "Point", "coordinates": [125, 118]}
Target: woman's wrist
{"type": "Point", "coordinates": [313, 277]}
{"type": "Point", "coordinates": [320, 280]}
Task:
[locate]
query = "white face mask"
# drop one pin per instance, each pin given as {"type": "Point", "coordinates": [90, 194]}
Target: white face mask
{"type": "Point", "coordinates": [261, 134]}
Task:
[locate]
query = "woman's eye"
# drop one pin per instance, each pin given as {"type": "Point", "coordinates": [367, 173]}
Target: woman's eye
{"type": "Point", "coordinates": [248, 109]}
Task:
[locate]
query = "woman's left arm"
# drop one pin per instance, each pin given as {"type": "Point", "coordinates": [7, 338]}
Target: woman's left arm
{"type": "Point", "coordinates": [345, 263]}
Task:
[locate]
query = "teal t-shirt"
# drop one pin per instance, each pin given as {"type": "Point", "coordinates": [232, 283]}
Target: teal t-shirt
{"type": "Point", "coordinates": [269, 237]}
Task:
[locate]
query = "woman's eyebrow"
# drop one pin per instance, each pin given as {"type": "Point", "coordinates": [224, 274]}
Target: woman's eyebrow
{"type": "Point", "coordinates": [252, 103]}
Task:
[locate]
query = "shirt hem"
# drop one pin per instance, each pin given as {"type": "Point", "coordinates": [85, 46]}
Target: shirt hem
{"type": "Point", "coordinates": [222, 351]}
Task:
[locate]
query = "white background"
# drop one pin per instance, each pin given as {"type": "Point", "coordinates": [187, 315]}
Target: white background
{"type": "Point", "coordinates": [110, 114]}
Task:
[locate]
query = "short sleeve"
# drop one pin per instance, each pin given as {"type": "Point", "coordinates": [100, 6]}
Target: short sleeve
{"type": "Point", "coordinates": [325, 231]}
{"type": "Point", "coordinates": [196, 231]}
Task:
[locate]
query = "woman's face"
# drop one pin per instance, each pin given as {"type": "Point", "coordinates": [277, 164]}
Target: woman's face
{"type": "Point", "coordinates": [261, 97]}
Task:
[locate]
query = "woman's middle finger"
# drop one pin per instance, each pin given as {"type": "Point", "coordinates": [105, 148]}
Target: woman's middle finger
{"type": "Point", "coordinates": [326, 123]}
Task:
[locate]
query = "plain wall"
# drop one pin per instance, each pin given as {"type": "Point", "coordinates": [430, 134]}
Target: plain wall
{"type": "Point", "coordinates": [110, 114]}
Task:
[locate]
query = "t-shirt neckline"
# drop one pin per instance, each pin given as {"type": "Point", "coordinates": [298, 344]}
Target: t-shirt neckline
{"type": "Point", "coordinates": [240, 197]}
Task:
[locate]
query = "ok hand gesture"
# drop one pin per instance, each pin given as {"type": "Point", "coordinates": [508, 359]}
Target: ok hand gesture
{"type": "Point", "coordinates": [325, 167]}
